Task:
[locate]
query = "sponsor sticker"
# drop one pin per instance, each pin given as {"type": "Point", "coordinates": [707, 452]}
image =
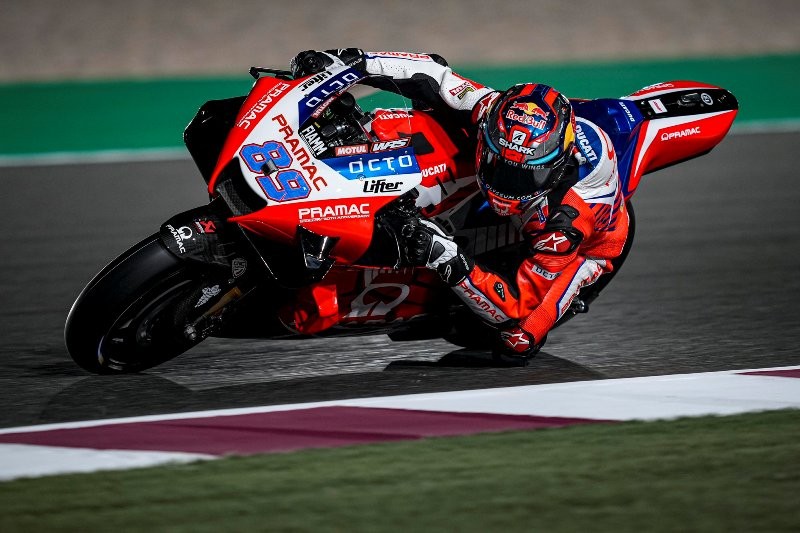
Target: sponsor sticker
{"type": "Point", "coordinates": [205, 226]}
{"type": "Point", "coordinates": [544, 273]}
{"type": "Point", "coordinates": [687, 132]}
{"type": "Point", "coordinates": [500, 290]}
{"type": "Point", "coordinates": [585, 144]}
{"type": "Point", "coordinates": [435, 169]}
{"type": "Point", "coordinates": [375, 165]}
{"type": "Point", "coordinates": [402, 55]}
{"type": "Point", "coordinates": [657, 105]}
{"type": "Point", "coordinates": [393, 144]}
{"type": "Point", "coordinates": [181, 234]}
{"type": "Point", "coordinates": [530, 114]}
{"type": "Point", "coordinates": [324, 93]}
{"type": "Point", "coordinates": [238, 267]}
{"type": "Point", "coordinates": [555, 242]}
{"type": "Point", "coordinates": [380, 186]}
{"type": "Point", "coordinates": [333, 212]}
{"type": "Point", "coordinates": [264, 103]}
{"type": "Point", "coordinates": [313, 140]}
{"type": "Point", "coordinates": [478, 302]}
{"type": "Point", "coordinates": [462, 90]}
{"type": "Point", "coordinates": [515, 146]}
{"type": "Point", "coordinates": [355, 149]}
{"type": "Point", "coordinates": [208, 293]}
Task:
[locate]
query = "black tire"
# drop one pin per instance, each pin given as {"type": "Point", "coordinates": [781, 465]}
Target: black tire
{"type": "Point", "coordinates": [125, 319]}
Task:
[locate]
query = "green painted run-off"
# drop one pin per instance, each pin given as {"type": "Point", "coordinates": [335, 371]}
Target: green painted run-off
{"type": "Point", "coordinates": [40, 118]}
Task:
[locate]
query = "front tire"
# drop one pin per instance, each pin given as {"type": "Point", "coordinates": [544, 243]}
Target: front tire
{"type": "Point", "coordinates": [128, 318]}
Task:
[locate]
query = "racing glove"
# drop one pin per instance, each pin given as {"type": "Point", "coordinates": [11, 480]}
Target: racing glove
{"type": "Point", "coordinates": [312, 61]}
{"type": "Point", "coordinates": [426, 244]}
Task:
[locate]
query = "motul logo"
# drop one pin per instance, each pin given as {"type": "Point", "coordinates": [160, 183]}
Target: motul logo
{"type": "Point", "coordinates": [355, 149]}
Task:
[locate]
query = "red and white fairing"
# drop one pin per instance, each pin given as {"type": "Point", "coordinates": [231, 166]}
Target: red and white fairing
{"type": "Point", "coordinates": [304, 190]}
{"type": "Point", "coordinates": [671, 139]}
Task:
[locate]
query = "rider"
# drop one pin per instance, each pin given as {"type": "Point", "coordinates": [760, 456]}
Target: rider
{"type": "Point", "coordinates": [554, 175]}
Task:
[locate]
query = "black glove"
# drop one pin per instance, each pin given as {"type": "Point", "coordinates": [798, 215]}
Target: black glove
{"type": "Point", "coordinates": [312, 61]}
{"type": "Point", "coordinates": [426, 244]}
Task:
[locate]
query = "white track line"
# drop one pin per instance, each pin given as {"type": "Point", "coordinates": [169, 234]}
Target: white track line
{"type": "Point", "coordinates": [643, 398]}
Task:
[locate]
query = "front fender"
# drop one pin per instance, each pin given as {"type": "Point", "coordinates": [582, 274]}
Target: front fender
{"type": "Point", "coordinates": [204, 235]}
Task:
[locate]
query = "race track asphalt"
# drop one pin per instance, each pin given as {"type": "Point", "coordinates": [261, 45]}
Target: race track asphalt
{"type": "Point", "coordinates": [711, 284]}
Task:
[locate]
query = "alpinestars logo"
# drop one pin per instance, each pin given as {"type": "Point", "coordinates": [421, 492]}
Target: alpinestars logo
{"type": "Point", "coordinates": [517, 340]}
{"type": "Point", "coordinates": [553, 243]}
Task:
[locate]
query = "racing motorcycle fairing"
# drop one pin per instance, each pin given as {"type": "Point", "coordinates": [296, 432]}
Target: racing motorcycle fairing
{"type": "Point", "coordinates": [661, 125]}
{"type": "Point", "coordinates": [279, 138]}
{"type": "Point", "coordinates": [405, 150]}
{"type": "Point", "coordinates": [309, 194]}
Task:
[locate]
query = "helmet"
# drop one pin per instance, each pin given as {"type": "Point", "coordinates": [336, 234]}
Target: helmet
{"type": "Point", "coordinates": [526, 142]}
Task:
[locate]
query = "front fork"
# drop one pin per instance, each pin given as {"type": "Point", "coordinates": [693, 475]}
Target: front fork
{"type": "Point", "coordinates": [231, 267]}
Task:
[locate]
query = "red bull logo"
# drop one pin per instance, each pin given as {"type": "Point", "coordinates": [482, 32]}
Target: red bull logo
{"type": "Point", "coordinates": [530, 109]}
{"type": "Point", "coordinates": [530, 114]}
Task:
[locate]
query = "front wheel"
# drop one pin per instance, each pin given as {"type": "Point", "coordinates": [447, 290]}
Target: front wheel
{"type": "Point", "coordinates": [131, 315]}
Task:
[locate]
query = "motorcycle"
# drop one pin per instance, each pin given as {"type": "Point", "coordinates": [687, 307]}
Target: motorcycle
{"type": "Point", "coordinates": [309, 195]}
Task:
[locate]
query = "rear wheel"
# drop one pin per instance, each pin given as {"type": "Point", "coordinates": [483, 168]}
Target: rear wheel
{"type": "Point", "coordinates": [132, 315]}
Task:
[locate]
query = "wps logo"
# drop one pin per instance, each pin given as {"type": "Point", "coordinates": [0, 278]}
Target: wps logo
{"type": "Point", "coordinates": [394, 144]}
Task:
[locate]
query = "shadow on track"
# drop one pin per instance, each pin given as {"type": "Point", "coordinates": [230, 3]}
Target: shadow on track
{"type": "Point", "coordinates": [102, 397]}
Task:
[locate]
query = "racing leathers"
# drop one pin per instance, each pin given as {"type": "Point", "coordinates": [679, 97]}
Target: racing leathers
{"type": "Point", "coordinates": [569, 239]}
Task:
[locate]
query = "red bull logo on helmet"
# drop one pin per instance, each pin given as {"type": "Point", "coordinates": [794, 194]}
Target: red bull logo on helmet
{"type": "Point", "coordinates": [529, 113]}
{"type": "Point", "coordinates": [530, 109]}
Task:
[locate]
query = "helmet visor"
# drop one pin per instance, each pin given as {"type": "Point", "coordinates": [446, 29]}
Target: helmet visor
{"type": "Point", "coordinates": [519, 182]}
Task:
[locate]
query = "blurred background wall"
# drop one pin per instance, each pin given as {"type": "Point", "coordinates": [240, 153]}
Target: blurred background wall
{"type": "Point", "coordinates": [79, 39]}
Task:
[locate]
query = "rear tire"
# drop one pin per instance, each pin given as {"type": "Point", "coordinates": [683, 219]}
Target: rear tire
{"type": "Point", "coordinates": [128, 318]}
